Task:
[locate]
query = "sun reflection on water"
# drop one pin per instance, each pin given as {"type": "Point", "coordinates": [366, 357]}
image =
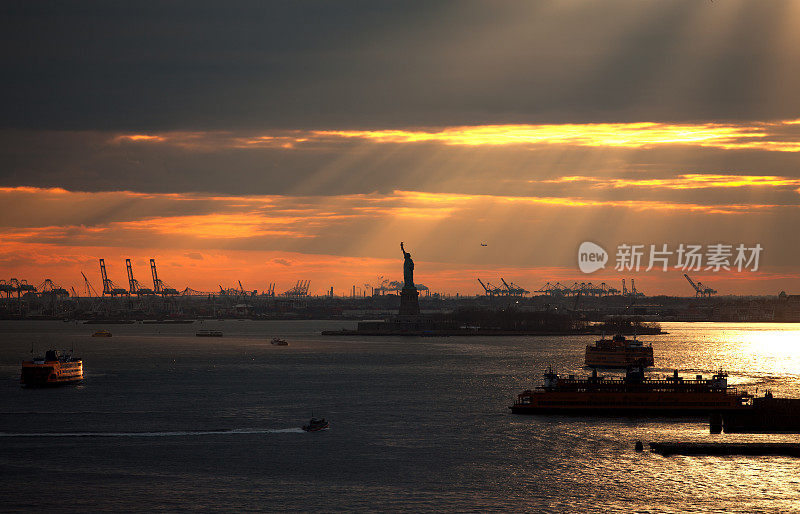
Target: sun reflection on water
{"type": "Point", "coordinates": [756, 355]}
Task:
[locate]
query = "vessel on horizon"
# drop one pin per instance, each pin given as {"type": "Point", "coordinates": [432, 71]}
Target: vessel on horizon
{"type": "Point", "coordinates": [618, 352]}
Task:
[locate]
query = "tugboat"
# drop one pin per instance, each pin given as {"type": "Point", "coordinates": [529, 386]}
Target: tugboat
{"type": "Point", "coordinates": [618, 352]}
{"type": "Point", "coordinates": [633, 394]}
{"type": "Point", "coordinates": [279, 342]}
{"type": "Point", "coordinates": [57, 367]}
{"type": "Point", "coordinates": [316, 425]}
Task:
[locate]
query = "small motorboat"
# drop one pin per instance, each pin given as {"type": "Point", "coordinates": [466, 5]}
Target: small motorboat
{"type": "Point", "coordinates": [279, 342]}
{"type": "Point", "coordinates": [209, 333]}
{"type": "Point", "coordinates": [102, 333]}
{"type": "Point", "coordinates": [315, 425]}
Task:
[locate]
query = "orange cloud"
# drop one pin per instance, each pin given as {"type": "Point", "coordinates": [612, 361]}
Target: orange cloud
{"type": "Point", "coordinates": [214, 226]}
{"type": "Point", "coordinates": [140, 138]}
{"type": "Point", "coordinates": [778, 136]}
{"type": "Point", "coordinates": [579, 202]}
{"type": "Point", "coordinates": [763, 136]}
{"type": "Point", "coordinates": [626, 135]}
{"type": "Point", "coordinates": [687, 181]}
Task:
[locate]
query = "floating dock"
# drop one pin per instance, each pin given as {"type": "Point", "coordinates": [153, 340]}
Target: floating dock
{"type": "Point", "coordinates": [677, 448]}
{"type": "Point", "coordinates": [765, 415]}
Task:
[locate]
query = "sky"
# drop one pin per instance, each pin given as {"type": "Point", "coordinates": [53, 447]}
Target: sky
{"type": "Point", "coordinates": [283, 141]}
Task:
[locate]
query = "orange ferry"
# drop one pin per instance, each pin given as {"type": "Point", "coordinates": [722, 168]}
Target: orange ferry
{"type": "Point", "coordinates": [618, 352]}
{"type": "Point", "coordinates": [633, 394]}
{"type": "Point", "coordinates": [55, 368]}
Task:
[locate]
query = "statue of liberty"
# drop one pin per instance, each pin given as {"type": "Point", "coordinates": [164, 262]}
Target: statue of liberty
{"type": "Point", "coordinates": [408, 269]}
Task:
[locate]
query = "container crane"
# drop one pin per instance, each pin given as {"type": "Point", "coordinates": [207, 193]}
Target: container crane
{"type": "Point", "coordinates": [246, 293]}
{"type": "Point", "coordinates": [556, 289]}
{"type": "Point", "coordinates": [135, 287]}
{"type": "Point", "coordinates": [109, 288]}
{"type": "Point", "coordinates": [158, 285]}
{"type": "Point", "coordinates": [6, 288]}
{"type": "Point", "coordinates": [492, 290]}
{"type": "Point", "coordinates": [514, 289]}
{"type": "Point", "coordinates": [300, 289]}
{"type": "Point", "coordinates": [21, 287]}
{"type": "Point", "coordinates": [699, 288]}
{"type": "Point", "coordinates": [50, 288]}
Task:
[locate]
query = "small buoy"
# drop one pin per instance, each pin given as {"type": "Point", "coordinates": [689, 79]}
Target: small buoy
{"type": "Point", "coordinates": [639, 446]}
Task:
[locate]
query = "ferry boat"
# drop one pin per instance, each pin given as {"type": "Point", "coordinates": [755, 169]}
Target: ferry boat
{"type": "Point", "coordinates": [209, 333]}
{"type": "Point", "coordinates": [633, 394]}
{"type": "Point", "coordinates": [618, 352]}
{"type": "Point", "coordinates": [57, 367]}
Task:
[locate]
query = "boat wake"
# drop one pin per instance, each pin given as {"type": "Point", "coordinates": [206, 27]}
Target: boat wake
{"type": "Point", "coordinates": [174, 433]}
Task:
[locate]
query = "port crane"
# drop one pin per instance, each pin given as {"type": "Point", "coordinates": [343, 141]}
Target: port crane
{"type": "Point", "coordinates": [158, 285]}
{"type": "Point", "coordinates": [634, 292]}
{"type": "Point", "coordinates": [49, 288]}
{"type": "Point", "coordinates": [700, 289]}
{"type": "Point", "coordinates": [556, 289]}
{"type": "Point", "coordinates": [490, 289]}
{"type": "Point", "coordinates": [109, 287]}
{"type": "Point", "coordinates": [135, 286]}
{"type": "Point", "coordinates": [89, 288]}
{"type": "Point", "coordinates": [21, 287]}
{"type": "Point", "coordinates": [513, 289]}
{"type": "Point", "coordinates": [299, 289]}
{"type": "Point", "coordinates": [6, 288]}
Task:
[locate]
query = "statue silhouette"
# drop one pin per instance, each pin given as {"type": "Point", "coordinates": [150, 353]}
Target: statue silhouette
{"type": "Point", "coordinates": [408, 269]}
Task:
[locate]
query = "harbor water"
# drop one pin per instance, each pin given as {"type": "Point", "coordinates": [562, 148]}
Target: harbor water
{"type": "Point", "coordinates": [166, 420]}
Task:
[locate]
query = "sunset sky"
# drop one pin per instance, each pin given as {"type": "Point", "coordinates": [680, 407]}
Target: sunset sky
{"type": "Point", "coordinates": [278, 141]}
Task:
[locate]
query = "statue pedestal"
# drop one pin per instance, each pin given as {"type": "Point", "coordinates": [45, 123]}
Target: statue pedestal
{"type": "Point", "coordinates": [409, 302]}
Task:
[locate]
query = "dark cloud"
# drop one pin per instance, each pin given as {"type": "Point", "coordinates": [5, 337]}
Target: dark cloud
{"type": "Point", "coordinates": [208, 65]}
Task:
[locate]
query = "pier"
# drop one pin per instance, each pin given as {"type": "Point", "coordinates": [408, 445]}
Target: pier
{"type": "Point", "coordinates": [677, 448]}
